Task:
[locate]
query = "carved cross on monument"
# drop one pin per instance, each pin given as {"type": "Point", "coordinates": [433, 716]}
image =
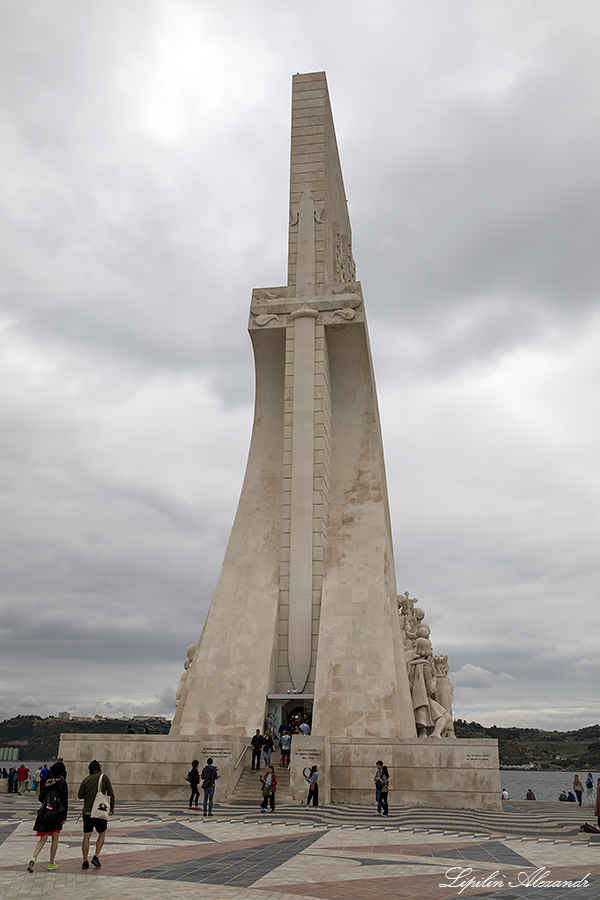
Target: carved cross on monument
{"type": "Point", "coordinates": [304, 309]}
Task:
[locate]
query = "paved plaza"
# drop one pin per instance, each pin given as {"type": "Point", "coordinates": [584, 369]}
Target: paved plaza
{"type": "Point", "coordinates": [164, 850]}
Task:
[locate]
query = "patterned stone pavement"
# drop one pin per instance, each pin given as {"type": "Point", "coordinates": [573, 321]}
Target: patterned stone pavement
{"type": "Point", "coordinates": [166, 851]}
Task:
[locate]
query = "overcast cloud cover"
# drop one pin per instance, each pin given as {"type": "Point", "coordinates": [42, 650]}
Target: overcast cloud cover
{"type": "Point", "coordinates": [144, 155]}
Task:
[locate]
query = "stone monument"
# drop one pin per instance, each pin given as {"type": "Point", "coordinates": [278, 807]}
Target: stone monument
{"type": "Point", "coordinates": [305, 616]}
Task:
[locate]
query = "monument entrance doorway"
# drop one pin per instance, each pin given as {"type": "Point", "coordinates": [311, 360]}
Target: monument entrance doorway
{"type": "Point", "coordinates": [294, 709]}
{"type": "Point", "coordinates": [282, 707]}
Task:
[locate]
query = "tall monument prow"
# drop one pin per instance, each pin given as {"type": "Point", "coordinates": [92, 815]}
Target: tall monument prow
{"type": "Point", "coordinates": [306, 619]}
{"type": "Point", "coordinates": [306, 595]}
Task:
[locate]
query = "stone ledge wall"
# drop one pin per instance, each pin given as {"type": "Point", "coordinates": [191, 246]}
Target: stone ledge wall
{"type": "Point", "coordinates": [442, 773]}
{"type": "Point", "coordinates": [153, 767]}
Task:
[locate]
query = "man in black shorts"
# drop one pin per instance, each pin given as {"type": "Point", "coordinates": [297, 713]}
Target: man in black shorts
{"type": "Point", "coordinates": [87, 792]}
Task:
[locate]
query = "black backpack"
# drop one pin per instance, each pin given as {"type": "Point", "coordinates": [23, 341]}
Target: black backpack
{"type": "Point", "coordinates": [53, 809]}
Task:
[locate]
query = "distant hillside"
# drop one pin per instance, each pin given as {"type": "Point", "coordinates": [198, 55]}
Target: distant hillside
{"type": "Point", "coordinates": [38, 738]}
{"type": "Point", "coordinates": [548, 749]}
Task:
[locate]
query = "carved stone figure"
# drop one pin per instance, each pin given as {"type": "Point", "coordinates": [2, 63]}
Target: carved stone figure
{"type": "Point", "coordinates": [431, 689]}
{"type": "Point", "coordinates": [186, 665]}
{"type": "Point", "coordinates": [445, 689]}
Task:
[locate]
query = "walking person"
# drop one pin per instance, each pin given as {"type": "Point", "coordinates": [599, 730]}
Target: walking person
{"type": "Point", "coordinates": [257, 745]}
{"type": "Point", "coordinates": [589, 786]}
{"type": "Point", "coordinates": [269, 786]}
{"type": "Point", "coordinates": [52, 814]}
{"type": "Point", "coordinates": [22, 776]}
{"type": "Point", "coordinates": [88, 789]}
{"type": "Point", "coordinates": [285, 742]}
{"type": "Point", "coordinates": [36, 780]}
{"type": "Point", "coordinates": [383, 790]}
{"type": "Point", "coordinates": [193, 777]}
{"type": "Point", "coordinates": [209, 777]}
{"type": "Point", "coordinates": [313, 788]}
{"type": "Point", "coordinates": [377, 780]}
{"type": "Point", "coordinates": [267, 747]}
{"type": "Point", "coordinates": [597, 803]}
{"type": "Point", "coordinates": [578, 788]}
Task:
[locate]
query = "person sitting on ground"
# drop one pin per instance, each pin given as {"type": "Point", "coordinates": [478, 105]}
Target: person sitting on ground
{"type": "Point", "coordinates": [530, 795]}
{"type": "Point", "coordinates": [504, 794]}
{"type": "Point", "coordinates": [571, 797]}
{"type": "Point", "coordinates": [562, 795]}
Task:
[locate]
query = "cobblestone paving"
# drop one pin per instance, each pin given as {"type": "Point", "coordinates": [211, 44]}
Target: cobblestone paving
{"type": "Point", "coordinates": [163, 850]}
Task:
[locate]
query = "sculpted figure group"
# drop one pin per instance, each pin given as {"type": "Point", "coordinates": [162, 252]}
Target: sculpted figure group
{"type": "Point", "coordinates": [431, 689]}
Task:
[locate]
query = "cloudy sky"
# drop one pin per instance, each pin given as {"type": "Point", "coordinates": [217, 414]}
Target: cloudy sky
{"type": "Point", "coordinates": [144, 153]}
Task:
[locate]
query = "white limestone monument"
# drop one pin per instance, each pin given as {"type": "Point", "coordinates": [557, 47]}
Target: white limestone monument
{"type": "Point", "coordinates": [306, 600]}
{"type": "Point", "coordinates": [306, 615]}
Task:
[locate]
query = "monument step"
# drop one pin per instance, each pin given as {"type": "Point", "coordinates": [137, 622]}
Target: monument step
{"type": "Point", "coordinates": [248, 788]}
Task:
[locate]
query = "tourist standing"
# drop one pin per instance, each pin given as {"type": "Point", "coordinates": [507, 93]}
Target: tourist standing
{"type": "Point", "coordinates": [52, 814]}
{"type": "Point", "coordinates": [269, 786]}
{"type": "Point", "coordinates": [36, 780]}
{"type": "Point", "coordinates": [22, 776]}
{"type": "Point", "coordinates": [257, 745]}
{"type": "Point", "coordinates": [209, 777]}
{"type": "Point", "coordinates": [383, 791]}
{"type": "Point", "coordinates": [377, 780]}
{"type": "Point", "coordinates": [88, 789]}
{"type": "Point", "coordinates": [578, 788]}
{"type": "Point", "coordinates": [194, 780]}
{"type": "Point", "coordinates": [589, 786]}
{"type": "Point", "coordinates": [313, 787]}
{"type": "Point", "coordinates": [285, 742]}
{"type": "Point", "coordinates": [267, 747]}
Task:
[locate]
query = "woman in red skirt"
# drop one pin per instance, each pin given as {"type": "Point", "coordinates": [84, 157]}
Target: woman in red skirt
{"type": "Point", "coordinates": [52, 814]}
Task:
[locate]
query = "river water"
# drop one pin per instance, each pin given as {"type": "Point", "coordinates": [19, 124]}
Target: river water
{"type": "Point", "coordinates": [545, 785]}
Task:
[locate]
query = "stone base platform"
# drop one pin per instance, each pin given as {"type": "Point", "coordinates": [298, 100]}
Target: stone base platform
{"type": "Point", "coordinates": [146, 767]}
{"type": "Point", "coordinates": [435, 773]}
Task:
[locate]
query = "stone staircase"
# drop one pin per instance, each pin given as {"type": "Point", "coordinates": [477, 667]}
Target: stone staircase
{"type": "Point", "coordinates": [248, 789]}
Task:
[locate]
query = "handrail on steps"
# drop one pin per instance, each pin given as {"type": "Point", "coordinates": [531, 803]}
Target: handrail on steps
{"type": "Point", "coordinates": [241, 756]}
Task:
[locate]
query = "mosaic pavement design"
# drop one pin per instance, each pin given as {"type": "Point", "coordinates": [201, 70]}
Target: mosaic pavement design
{"type": "Point", "coordinates": [349, 853]}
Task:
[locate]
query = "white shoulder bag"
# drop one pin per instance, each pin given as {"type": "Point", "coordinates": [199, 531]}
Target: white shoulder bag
{"type": "Point", "coordinates": [101, 807]}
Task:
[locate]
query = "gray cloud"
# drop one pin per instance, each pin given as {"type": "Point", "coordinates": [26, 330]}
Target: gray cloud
{"type": "Point", "coordinates": [144, 152]}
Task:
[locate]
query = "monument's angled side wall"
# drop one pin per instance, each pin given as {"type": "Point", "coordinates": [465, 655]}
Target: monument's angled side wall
{"type": "Point", "coordinates": [227, 683]}
{"type": "Point", "coordinates": [361, 684]}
